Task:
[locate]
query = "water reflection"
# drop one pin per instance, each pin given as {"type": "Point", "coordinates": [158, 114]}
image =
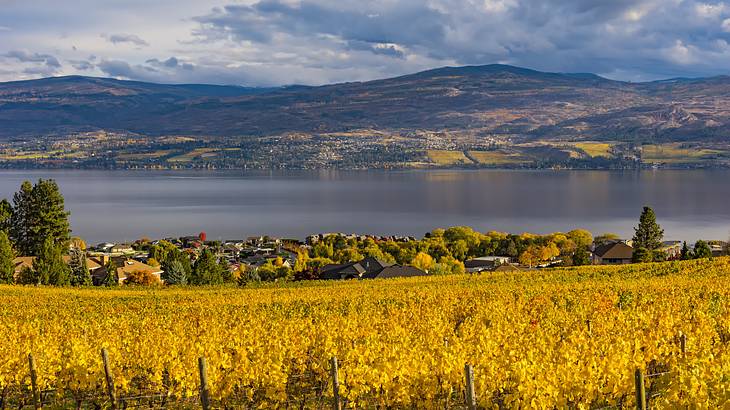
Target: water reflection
{"type": "Point", "coordinates": [125, 205]}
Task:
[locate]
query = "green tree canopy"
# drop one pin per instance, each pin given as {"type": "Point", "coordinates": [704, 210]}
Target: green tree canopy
{"type": "Point", "coordinates": [176, 273]}
{"type": "Point", "coordinates": [207, 270]}
{"type": "Point", "coordinates": [80, 275]}
{"type": "Point", "coordinates": [7, 268]}
{"type": "Point", "coordinates": [702, 250]}
{"type": "Point", "coordinates": [49, 266]}
{"type": "Point", "coordinates": [38, 213]}
{"type": "Point", "coordinates": [648, 234]}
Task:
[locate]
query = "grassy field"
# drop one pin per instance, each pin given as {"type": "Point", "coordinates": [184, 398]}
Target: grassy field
{"type": "Point", "coordinates": [195, 154]}
{"type": "Point", "coordinates": [499, 158]}
{"type": "Point", "coordinates": [401, 343]}
{"type": "Point", "coordinates": [595, 149]}
{"type": "Point", "coordinates": [674, 153]}
{"type": "Point", "coordinates": [443, 157]}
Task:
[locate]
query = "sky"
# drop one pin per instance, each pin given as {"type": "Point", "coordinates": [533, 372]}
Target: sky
{"type": "Point", "coordinates": [278, 42]}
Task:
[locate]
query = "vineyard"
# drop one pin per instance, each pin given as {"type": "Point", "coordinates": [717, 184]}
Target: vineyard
{"type": "Point", "coordinates": [563, 338]}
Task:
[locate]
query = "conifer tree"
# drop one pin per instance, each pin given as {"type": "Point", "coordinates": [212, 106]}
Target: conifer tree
{"type": "Point", "coordinates": [111, 280]}
{"type": "Point", "coordinates": [20, 219]}
{"type": "Point", "coordinates": [49, 266]}
{"type": "Point", "coordinates": [648, 234]}
{"type": "Point", "coordinates": [685, 254]}
{"type": "Point", "coordinates": [207, 270]}
{"type": "Point", "coordinates": [176, 274]}
{"type": "Point", "coordinates": [7, 268]}
{"type": "Point", "coordinates": [80, 275]}
{"type": "Point", "coordinates": [38, 213]}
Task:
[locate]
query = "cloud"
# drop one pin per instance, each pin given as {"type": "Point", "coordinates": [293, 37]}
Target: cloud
{"type": "Point", "coordinates": [26, 57]}
{"type": "Point", "coordinates": [82, 65]}
{"type": "Point", "coordinates": [274, 42]}
{"type": "Point", "coordinates": [126, 38]}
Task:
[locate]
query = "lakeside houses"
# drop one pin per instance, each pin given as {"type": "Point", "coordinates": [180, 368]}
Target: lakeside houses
{"type": "Point", "coordinates": [485, 263]}
{"type": "Point", "coordinates": [368, 268]}
{"type": "Point", "coordinates": [125, 267]}
{"type": "Point", "coordinates": [613, 253]}
{"type": "Point", "coordinates": [255, 252]}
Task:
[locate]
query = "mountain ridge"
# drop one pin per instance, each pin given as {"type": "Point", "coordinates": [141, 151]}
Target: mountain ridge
{"type": "Point", "coordinates": [485, 100]}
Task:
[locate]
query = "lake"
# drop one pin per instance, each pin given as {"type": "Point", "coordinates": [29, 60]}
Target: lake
{"type": "Point", "coordinates": [126, 205]}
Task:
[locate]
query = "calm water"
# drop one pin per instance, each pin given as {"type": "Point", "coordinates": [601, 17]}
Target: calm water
{"type": "Point", "coordinates": [126, 205]}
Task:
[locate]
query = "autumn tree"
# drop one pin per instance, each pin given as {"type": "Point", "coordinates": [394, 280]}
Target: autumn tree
{"type": "Point", "coordinates": [423, 261]}
{"type": "Point", "coordinates": [142, 278]}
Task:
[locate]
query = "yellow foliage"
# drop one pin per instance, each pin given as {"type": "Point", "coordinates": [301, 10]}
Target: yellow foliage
{"type": "Point", "coordinates": [423, 261]}
{"type": "Point", "coordinates": [401, 343]}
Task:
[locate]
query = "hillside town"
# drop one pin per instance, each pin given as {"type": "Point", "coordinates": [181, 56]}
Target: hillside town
{"type": "Point", "coordinates": [243, 258]}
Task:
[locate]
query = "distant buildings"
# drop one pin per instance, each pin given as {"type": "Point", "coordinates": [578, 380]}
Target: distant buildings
{"type": "Point", "coordinates": [485, 263]}
{"type": "Point", "coordinates": [613, 253]}
{"type": "Point", "coordinates": [368, 268]}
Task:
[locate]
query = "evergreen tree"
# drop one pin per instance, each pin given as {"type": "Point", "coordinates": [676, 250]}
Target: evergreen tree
{"type": "Point", "coordinates": [641, 255]}
{"type": "Point", "coordinates": [207, 270]}
{"type": "Point", "coordinates": [685, 253]}
{"type": "Point", "coordinates": [38, 213]}
{"type": "Point", "coordinates": [49, 266]}
{"type": "Point", "coordinates": [648, 234]}
{"type": "Point", "coordinates": [6, 215]}
{"type": "Point", "coordinates": [176, 274]}
{"type": "Point", "coordinates": [20, 219]}
{"type": "Point", "coordinates": [174, 256]}
{"type": "Point", "coordinates": [702, 250]}
{"type": "Point", "coordinates": [50, 215]}
{"type": "Point", "coordinates": [7, 268]}
{"type": "Point", "coordinates": [111, 280]}
{"type": "Point", "coordinates": [80, 275]}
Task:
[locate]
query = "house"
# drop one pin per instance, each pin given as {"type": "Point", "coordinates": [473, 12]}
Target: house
{"type": "Point", "coordinates": [485, 263]}
{"type": "Point", "coordinates": [27, 262]}
{"type": "Point", "coordinates": [507, 268]}
{"type": "Point", "coordinates": [121, 249]}
{"type": "Point", "coordinates": [124, 265]}
{"type": "Point", "coordinates": [718, 248]}
{"type": "Point", "coordinates": [368, 268]}
{"type": "Point", "coordinates": [673, 249]}
{"type": "Point", "coordinates": [613, 253]}
{"type": "Point", "coordinates": [395, 271]}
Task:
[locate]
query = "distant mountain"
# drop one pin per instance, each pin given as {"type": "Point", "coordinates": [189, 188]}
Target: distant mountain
{"type": "Point", "coordinates": [491, 99]}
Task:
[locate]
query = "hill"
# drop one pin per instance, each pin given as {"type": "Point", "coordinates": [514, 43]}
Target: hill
{"type": "Point", "coordinates": [497, 99]}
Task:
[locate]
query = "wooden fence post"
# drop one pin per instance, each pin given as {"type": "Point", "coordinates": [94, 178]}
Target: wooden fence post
{"type": "Point", "coordinates": [640, 390]}
{"type": "Point", "coordinates": [109, 378]}
{"type": "Point", "coordinates": [204, 392]}
{"type": "Point", "coordinates": [34, 382]}
{"type": "Point", "coordinates": [337, 405]}
{"type": "Point", "coordinates": [471, 401]}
